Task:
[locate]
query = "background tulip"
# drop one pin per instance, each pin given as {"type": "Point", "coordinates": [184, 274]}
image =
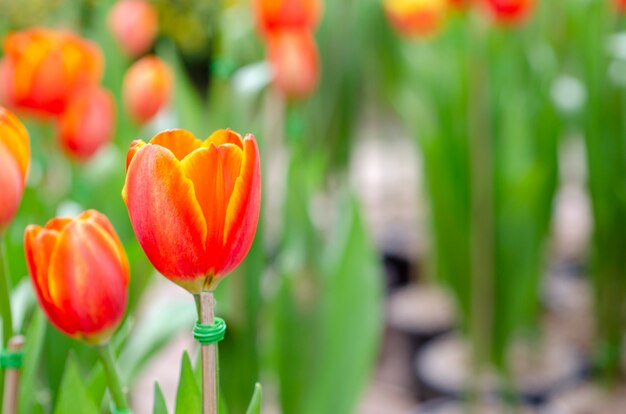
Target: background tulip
{"type": "Point", "coordinates": [80, 273]}
{"type": "Point", "coordinates": [509, 11]}
{"type": "Point", "coordinates": [280, 14]}
{"type": "Point", "coordinates": [88, 122]}
{"type": "Point", "coordinates": [43, 68]}
{"type": "Point", "coordinates": [14, 161]}
{"type": "Point", "coordinates": [147, 88]}
{"type": "Point", "coordinates": [194, 205]}
{"type": "Point", "coordinates": [294, 59]}
{"type": "Point", "coordinates": [416, 17]}
{"type": "Point", "coordinates": [134, 24]}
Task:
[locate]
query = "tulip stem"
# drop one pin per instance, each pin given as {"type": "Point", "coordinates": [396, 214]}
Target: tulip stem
{"type": "Point", "coordinates": [205, 304]}
{"type": "Point", "coordinates": [12, 380]}
{"type": "Point", "coordinates": [113, 378]}
{"type": "Point", "coordinates": [5, 295]}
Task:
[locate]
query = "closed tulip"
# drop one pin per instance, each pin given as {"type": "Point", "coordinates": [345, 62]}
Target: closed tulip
{"type": "Point", "coordinates": [194, 205]}
{"type": "Point", "coordinates": [43, 68]}
{"type": "Point", "coordinates": [294, 59]}
{"type": "Point", "coordinates": [416, 17]}
{"type": "Point", "coordinates": [88, 122]}
{"type": "Point", "coordinates": [147, 88]}
{"type": "Point", "coordinates": [620, 5]}
{"type": "Point", "coordinates": [134, 25]}
{"type": "Point", "coordinates": [282, 14]}
{"type": "Point", "coordinates": [509, 11]}
{"type": "Point", "coordinates": [80, 274]}
{"type": "Point", "coordinates": [14, 161]}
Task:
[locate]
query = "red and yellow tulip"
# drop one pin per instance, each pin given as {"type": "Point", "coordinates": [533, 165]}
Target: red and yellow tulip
{"type": "Point", "coordinates": [194, 205]}
{"type": "Point", "coordinates": [43, 68]}
{"type": "Point", "coordinates": [88, 122]}
{"type": "Point", "coordinates": [294, 59]}
{"type": "Point", "coordinates": [509, 11]}
{"type": "Point", "coordinates": [147, 88]}
{"type": "Point", "coordinates": [80, 273]}
{"type": "Point", "coordinates": [282, 14]}
{"type": "Point", "coordinates": [14, 162]}
{"type": "Point", "coordinates": [134, 25]}
{"type": "Point", "coordinates": [416, 17]}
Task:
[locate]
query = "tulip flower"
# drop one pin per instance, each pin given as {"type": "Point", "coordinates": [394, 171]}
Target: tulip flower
{"type": "Point", "coordinates": [620, 5]}
{"type": "Point", "coordinates": [282, 14]}
{"type": "Point", "coordinates": [147, 88]}
{"type": "Point", "coordinates": [43, 68]}
{"type": "Point", "coordinates": [80, 273]}
{"type": "Point", "coordinates": [294, 59]}
{"type": "Point", "coordinates": [134, 25]}
{"type": "Point", "coordinates": [416, 17]}
{"type": "Point", "coordinates": [88, 122]}
{"type": "Point", "coordinates": [194, 205]}
{"type": "Point", "coordinates": [509, 11]}
{"type": "Point", "coordinates": [14, 161]}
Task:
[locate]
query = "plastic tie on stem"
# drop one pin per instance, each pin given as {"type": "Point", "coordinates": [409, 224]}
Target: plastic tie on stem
{"type": "Point", "coordinates": [210, 334]}
{"type": "Point", "coordinates": [11, 359]}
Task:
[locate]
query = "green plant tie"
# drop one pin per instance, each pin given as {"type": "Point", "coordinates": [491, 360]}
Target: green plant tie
{"type": "Point", "coordinates": [11, 359]}
{"type": "Point", "coordinates": [115, 410]}
{"type": "Point", "coordinates": [210, 334]}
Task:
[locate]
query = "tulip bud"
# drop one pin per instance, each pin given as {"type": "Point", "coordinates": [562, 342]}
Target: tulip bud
{"type": "Point", "coordinates": [509, 11]}
{"type": "Point", "coordinates": [43, 68]}
{"type": "Point", "coordinates": [88, 122]}
{"type": "Point", "coordinates": [416, 17]}
{"type": "Point", "coordinates": [80, 274]}
{"type": "Point", "coordinates": [134, 25]}
{"type": "Point", "coordinates": [283, 14]}
{"type": "Point", "coordinates": [147, 88]}
{"type": "Point", "coordinates": [294, 59]}
{"type": "Point", "coordinates": [194, 205]}
{"type": "Point", "coordinates": [620, 5]}
{"type": "Point", "coordinates": [14, 161]}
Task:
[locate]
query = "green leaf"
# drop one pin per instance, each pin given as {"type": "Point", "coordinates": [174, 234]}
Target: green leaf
{"type": "Point", "coordinates": [74, 397]}
{"type": "Point", "coordinates": [32, 353]}
{"type": "Point", "coordinates": [160, 407]}
{"type": "Point", "coordinates": [188, 397]}
{"type": "Point", "coordinates": [255, 402]}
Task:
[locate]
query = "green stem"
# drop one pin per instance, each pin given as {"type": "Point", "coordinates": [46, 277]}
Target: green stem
{"type": "Point", "coordinates": [113, 378]}
{"type": "Point", "coordinates": [5, 295]}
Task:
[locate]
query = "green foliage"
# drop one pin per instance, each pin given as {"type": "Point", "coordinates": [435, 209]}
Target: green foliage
{"type": "Point", "coordinates": [255, 402]}
{"type": "Point", "coordinates": [73, 395]}
{"type": "Point", "coordinates": [160, 407]}
{"type": "Point", "coordinates": [188, 396]}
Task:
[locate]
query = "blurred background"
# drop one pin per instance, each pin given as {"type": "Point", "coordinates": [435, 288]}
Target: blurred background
{"type": "Point", "coordinates": [444, 200]}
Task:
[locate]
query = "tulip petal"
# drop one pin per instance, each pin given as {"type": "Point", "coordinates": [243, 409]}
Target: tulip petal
{"type": "Point", "coordinates": [12, 184]}
{"type": "Point", "coordinates": [179, 141]}
{"type": "Point", "coordinates": [223, 136]}
{"type": "Point", "coordinates": [166, 217]}
{"type": "Point", "coordinates": [15, 137]}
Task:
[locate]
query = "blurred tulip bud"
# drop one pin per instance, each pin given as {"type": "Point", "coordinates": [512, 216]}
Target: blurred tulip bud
{"type": "Point", "coordinates": [134, 25]}
{"type": "Point", "coordinates": [14, 162]}
{"type": "Point", "coordinates": [458, 4]}
{"type": "Point", "coordinates": [294, 59]}
{"type": "Point", "coordinates": [194, 205]}
{"type": "Point", "coordinates": [509, 11]}
{"type": "Point", "coordinates": [43, 68]}
{"type": "Point", "coordinates": [80, 273]}
{"type": "Point", "coordinates": [147, 88]}
{"type": "Point", "coordinates": [282, 14]}
{"type": "Point", "coordinates": [88, 122]}
{"type": "Point", "coordinates": [416, 17]}
{"type": "Point", "coordinates": [620, 5]}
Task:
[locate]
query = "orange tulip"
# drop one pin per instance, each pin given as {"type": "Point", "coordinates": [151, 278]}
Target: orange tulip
{"type": "Point", "coordinates": [620, 5]}
{"type": "Point", "coordinates": [194, 205]}
{"type": "Point", "coordinates": [134, 25]}
{"type": "Point", "coordinates": [294, 59]}
{"type": "Point", "coordinates": [281, 14]}
{"type": "Point", "coordinates": [43, 68]}
{"type": "Point", "coordinates": [80, 273]}
{"type": "Point", "coordinates": [88, 122]}
{"type": "Point", "coordinates": [416, 17]}
{"type": "Point", "coordinates": [14, 161]}
{"type": "Point", "coordinates": [147, 88]}
{"type": "Point", "coordinates": [509, 11]}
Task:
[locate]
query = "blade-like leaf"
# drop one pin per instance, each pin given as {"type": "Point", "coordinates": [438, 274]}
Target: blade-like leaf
{"type": "Point", "coordinates": [74, 397]}
{"type": "Point", "coordinates": [188, 397]}
{"type": "Point", "coordinates": [255, 402]}
{"type": "Point", "coordinates": [160, 407]}
{"type": "Point", "coordinates": [32, 354]}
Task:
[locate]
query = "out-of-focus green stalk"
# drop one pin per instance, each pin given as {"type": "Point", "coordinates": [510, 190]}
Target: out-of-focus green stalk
{"type": "Point", "coordinates": [113, 378]}
{"type": "Point", "coordinates": [5, 305]}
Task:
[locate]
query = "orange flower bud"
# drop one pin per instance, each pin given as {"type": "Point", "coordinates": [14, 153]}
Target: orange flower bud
{"type": "Point", "coordinates": [14, 161]}
{"type": "Point", "coordinates": [147, 88]}
{"type": "Point", "coordinates": [80, 273]}
{"type": "Point", "coordinates": [134, 25]}
{"type": "Point", "coordinates": [416, 17]}
{"type": "Point", "coordinates": [88, 122]}
{"type": "Point", "coordinates": [620, 5]}
{"type": "Point", "coordinates": [509, 11]}
{"type": "Point", "coordinates": [43, 68]}
{"type": "Point", "coordinates": [281, 14]}
{"type": "Point", "coordinates": [294, 59]}
{"type": "Point", "coordinates": [194, 205]}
